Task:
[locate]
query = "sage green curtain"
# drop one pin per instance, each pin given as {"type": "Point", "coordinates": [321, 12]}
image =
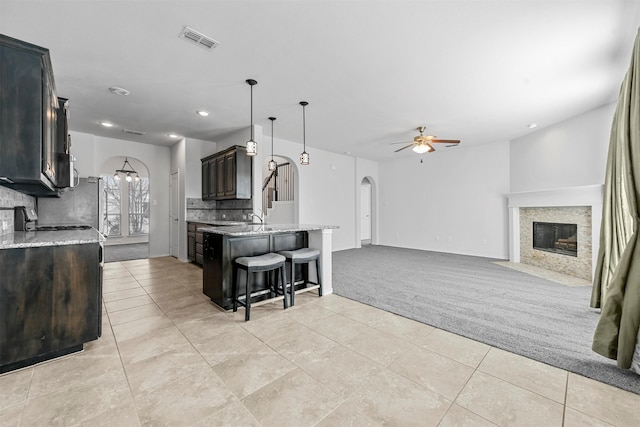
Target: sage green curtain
{"type": "Point", "coordinates": [616, 287]}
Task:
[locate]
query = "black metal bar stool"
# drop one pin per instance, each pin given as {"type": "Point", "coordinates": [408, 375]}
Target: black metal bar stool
{"type": "Point", "coordinates": [257, 264]}
{"type": "Point", "coordinates": [303, 256]}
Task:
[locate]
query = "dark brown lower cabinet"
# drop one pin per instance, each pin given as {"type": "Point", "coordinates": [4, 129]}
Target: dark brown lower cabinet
{"type": "Point", "coordinates": [50, 302]}
{"type": "Point", "coordinates": [221, 250]}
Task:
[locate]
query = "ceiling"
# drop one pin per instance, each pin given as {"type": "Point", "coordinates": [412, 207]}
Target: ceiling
{"type": "Point", "coordinates": [475, 70]}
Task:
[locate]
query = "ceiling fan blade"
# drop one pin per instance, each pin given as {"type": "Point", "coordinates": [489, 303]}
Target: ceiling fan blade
{"type": "Point", "coordinates": [431, 146]}
{"type": "Point", "coordinates": [396, 143]}
{"type": "Point", "coordinates": [407, 146]}
{"type": "Point", "coordinates": [448, 141]}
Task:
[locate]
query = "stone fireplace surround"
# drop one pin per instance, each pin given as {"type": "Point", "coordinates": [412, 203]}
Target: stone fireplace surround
{"type": "Point", "coordinates": [583, 201]}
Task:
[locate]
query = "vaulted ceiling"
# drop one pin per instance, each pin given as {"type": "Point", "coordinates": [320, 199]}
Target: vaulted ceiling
{"type": "Point", "coordinates": [372, 71]}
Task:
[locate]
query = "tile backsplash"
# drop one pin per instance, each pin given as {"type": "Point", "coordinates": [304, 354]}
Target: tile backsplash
{"type": "Point", "coordinates": [230, 210]}
{"type": "Point", "coordinates": [8, 199]}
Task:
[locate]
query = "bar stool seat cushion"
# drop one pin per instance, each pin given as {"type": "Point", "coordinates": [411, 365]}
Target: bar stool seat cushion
{"type": "Point", "coordinates": [260, 260]}
{"type": "Point", "coordinates": [301, 254]}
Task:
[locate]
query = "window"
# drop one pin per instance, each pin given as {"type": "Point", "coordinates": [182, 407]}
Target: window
{"type": "Point", "coordinates": [112, 212]}
{"type": "Point", "coordinates": [139, 206]}
{"type": "Point", "coordinates": [126, 207]}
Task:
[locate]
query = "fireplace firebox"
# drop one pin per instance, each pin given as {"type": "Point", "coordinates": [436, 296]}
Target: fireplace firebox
{"type": "Point", "coordinates": [557, 238]}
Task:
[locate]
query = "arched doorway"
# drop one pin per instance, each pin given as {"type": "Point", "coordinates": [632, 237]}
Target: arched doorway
{"type": "Point", "coordinates": [125, 209]}
{"type": "Point", "coordinates": [279, 191]}
{"type": "Point", "coordinates": [366, 212]}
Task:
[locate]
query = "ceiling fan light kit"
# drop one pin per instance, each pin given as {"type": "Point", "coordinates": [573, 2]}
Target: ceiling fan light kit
{"type": "Point", "coordinates": [252, 147]}
{"type": "Point", "coordinates": [422, 143]}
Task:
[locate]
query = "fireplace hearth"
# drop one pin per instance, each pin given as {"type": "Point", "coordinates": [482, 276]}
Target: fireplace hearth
{"type": "Point", "coordinates": [555, 237]}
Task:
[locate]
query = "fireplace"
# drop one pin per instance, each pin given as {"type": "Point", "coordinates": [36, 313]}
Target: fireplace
{"type": "Point", "coordinates": [557, 238]}
{"type": "Point", "coordinates": [581, 206]}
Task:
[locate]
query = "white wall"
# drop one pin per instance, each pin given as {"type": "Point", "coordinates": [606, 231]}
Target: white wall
{"type": "Point", "coordinates": [453, 202]}
{"type": "Point", "coordinates": [178, 165]}
{"type": "Point", "coordinates": [568, 154]}
{"type": "Point", "coordinates": [196, 150]}
{"type": "Point", "coordinates": [91, 151]}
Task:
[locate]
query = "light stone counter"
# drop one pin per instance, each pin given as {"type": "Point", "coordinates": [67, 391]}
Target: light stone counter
{"type": "Point", "coordinates": [258, 229]}
{"type": "Point", "coordinates": [33, 239]}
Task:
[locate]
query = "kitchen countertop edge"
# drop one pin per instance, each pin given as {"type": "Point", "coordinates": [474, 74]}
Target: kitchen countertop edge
{"type": "Point", "coordinates": [34, 239]}
{"type": "Point", "coordinates": [258, 229]}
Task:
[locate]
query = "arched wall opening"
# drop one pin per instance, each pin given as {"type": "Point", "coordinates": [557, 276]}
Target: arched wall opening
{"type": "Point", "coordinates": [125, 208]}
{"type": "Point", "coordinates": [280, 204]}
{"type": "Point", "coordinates": [367, 214]}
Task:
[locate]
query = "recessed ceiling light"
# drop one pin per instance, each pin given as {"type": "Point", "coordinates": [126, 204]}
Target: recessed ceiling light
{"type": "Point", "coordinates": [532, 125]}
{"type": "Point", "coordinates": [119, 91]}
{"type": "Point", "coordinates": [202, 113]}
{"type": "Point", "coordinates": [172, 135]}
{"type": "Point", "coordinates": [106, 124]}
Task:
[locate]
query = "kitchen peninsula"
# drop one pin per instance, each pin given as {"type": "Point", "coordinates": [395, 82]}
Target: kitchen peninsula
{"type": "Point", "coordinates": [224, 244]}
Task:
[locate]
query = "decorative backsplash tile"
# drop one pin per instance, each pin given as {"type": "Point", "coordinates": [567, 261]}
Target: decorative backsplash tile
{"type": "Point", "coordinates": [8, 199]}
{"type": "Point", "coordinates": [231, 210]}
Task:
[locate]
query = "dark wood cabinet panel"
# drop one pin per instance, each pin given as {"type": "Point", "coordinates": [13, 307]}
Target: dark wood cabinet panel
{"type": "Point", "coordinates": [220, 177]}
{"type": "Point", "coordinates": [194, 242]}
{"type": "Point", "coordinates": [50, 302]}
{"type": "Point", "coordinates": [25, 304]}
{"type": "Point", "coordinates": [28, 112]}
{"type": "Point", "coordinates": [230, 174]}
{"type": "Point", "coordinates": [227, 175]}
{"type": "Point", "coordinates": [205, 180]}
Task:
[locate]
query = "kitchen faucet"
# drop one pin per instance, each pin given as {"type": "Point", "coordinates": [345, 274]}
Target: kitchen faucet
{"type": "Point", "coordinates": [260, 217]}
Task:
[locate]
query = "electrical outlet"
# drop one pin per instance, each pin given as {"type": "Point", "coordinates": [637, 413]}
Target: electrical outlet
{"type": "Point", "coordinates": [5, 225]}
{"type": "Point", "coordinates": [224, 216]}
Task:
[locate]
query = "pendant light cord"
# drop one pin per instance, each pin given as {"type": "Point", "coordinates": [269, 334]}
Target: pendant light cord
{"type": "Point", "coordinates": [304, 130]}
{"type": "Point", "coordinates": [252, 112]}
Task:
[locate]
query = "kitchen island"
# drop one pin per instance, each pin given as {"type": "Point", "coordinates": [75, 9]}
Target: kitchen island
{"type": "Point", "coordinates": [222, 245]}
{"type": "Point", "coordinates": [50, 294]}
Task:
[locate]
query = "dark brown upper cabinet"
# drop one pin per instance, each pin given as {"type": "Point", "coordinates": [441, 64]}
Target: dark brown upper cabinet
{"type": "Point", "coordinates": [28, 119]}
{"type": "Point", "coordinates": [227, 175]}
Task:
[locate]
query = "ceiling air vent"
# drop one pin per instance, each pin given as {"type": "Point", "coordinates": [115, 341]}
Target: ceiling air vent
{"type": "Point", "coordinates": [196, 37]}
{"type": "Point", "coordinates": [133, 132]}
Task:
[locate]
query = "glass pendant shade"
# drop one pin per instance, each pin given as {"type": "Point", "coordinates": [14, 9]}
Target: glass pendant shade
{"type": "Point", "coordinates": [116, 176]}
{"type": "Point", "coordinates": [252, 147]}
{"type": "Point", "coordinates": [304, 158]}
{"type": "Point", "coordinates": [422, 148]}
{"type": "Point", "coordinates": [272, 165]}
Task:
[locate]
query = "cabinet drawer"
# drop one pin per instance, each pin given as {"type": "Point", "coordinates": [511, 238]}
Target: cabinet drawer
{"type": "Point", "coordinates": [199, 249]}
{"type": "Point", "coordinates": [199, 238]}
{"type": "Point", "coordinates": [199, 259]}
{"type": "Point", "coordinates": [191, 226]}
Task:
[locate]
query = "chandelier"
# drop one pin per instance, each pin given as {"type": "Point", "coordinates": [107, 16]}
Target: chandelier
{"type": "Point", "coordinates": [128, 170]}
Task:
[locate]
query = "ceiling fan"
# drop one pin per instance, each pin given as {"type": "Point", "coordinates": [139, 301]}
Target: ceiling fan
{"type": "Point", "coordinates": [422, 143]}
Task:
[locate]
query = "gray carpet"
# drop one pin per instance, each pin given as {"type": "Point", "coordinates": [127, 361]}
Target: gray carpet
{"type": "Point", "coordinates": [475, 298]}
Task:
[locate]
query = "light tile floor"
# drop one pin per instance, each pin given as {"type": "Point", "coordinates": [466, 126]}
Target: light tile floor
{"type": "Point", "coordinates": [168, 356]}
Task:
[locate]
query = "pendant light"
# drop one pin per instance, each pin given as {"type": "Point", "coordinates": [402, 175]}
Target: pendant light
{"type": "Point", "coordinates": [272, 164]}
{"type": "Point", "coordinates": [128, 170]}
{"type": "Point", "coordinates": [252, 147]}
{"type": "Point", "coordinates": [304, 156]}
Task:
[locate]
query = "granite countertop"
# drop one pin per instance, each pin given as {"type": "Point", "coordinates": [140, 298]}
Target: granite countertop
{"type": "Point", "coordinates": [34, 239]}
{"type": "Point", "coordinates": [257, 229]}
{"type": "Point", "coordinates": [218, 222]}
